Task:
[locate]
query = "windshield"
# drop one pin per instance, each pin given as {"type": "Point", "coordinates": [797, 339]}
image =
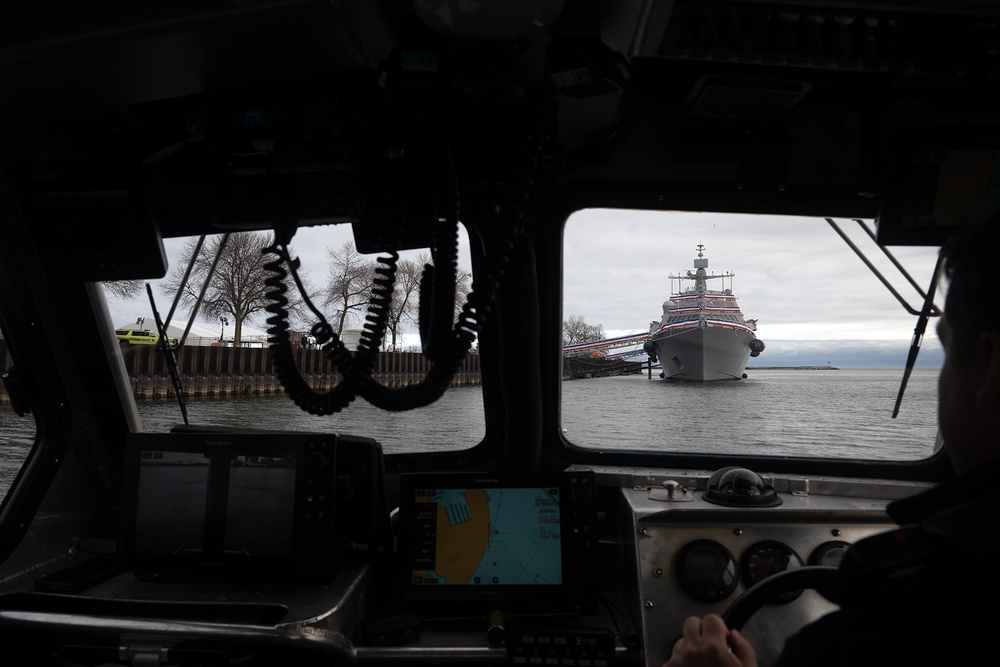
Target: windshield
{"type": "Point", "coordinates": [227, 374]}
{"type": "Point", "coordinates": [787, 344]}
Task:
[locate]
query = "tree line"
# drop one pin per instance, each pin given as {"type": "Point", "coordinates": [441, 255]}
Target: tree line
{"type": "Point", "coordinates": [236, 288]}
{"type": "Point", "coordinates": [576, 330]}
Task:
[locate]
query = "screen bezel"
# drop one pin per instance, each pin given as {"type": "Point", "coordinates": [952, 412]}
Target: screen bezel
{"type": "Point", "coordinates": [293, 564]}
{"type": "Point", "coordinates": [577, 534]}
{"type": "Point", "coordinates": [903, 177]}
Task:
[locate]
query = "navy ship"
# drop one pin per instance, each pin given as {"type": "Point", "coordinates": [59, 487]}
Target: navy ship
{"type": "Point", "coordinates": [702, 335]}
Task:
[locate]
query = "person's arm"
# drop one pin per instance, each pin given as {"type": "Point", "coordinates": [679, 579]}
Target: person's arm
{"type": "Point", "coordinates": [706, 643]}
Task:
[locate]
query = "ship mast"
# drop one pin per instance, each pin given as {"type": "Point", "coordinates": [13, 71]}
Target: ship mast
{"type": "Point", "coordinates": [700, 275]}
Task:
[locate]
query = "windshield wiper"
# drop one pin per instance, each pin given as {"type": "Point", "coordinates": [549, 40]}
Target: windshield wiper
{"type": "Point", "coordinates": [168, 353]}
{"type": "Point", "coordinates": [934, 311]}
{"type": "Point", "coordinates": [918, 334]}
{"type": "Point", "coordinates": [928, 310]}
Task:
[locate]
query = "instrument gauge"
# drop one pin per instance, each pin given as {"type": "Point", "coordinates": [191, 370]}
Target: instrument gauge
{"type": "Point", "coordinates": [707, 571]}
{"type": "Point", "coordinates": [829, 553]}
{"type": "Point", "coordinates": [766, 558]}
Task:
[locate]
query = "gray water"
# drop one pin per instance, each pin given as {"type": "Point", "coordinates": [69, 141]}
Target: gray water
{"type": "Point", "coordinates": [841, 414]}
{"type": "Point", "coordinates": [823, 413]}
{"type": "Point", "coordinates": [455, 421]}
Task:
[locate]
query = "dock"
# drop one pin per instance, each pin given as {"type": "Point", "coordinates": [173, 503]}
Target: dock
{"type": "Point", "coordinates": [576, 368]}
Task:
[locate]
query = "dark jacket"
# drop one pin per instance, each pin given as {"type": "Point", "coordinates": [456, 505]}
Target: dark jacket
{"type": "Point", "coordinates": [925, 594]}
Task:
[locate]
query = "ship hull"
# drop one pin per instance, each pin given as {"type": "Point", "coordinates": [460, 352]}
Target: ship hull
{"type": "Point", "coordinates": [703, 354]}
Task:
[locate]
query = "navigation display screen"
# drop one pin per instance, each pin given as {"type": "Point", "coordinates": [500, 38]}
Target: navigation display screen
{"type": "Point", "coordinates": [230, 504]}
{"type": "Point", "coordinates": [256, 514]}
{"type": "Point", "coordinates": [526, 540]}
{"type": "Point", "coordinates": [485, 536]}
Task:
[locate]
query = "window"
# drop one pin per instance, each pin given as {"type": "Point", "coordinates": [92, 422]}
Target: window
{"type": "Point", "coordinates": [18, 433]}
{"type": "Point", "coordinates": [835, 340]}
{"type": "Point", "coordinates": [227, 373]}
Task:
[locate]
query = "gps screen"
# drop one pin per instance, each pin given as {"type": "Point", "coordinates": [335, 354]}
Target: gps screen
{"type": "Point", "coordinates": [487, 536]}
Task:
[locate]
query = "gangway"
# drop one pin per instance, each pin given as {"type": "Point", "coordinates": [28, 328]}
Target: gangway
{"type": "Point", "coordinates": [610, 343]}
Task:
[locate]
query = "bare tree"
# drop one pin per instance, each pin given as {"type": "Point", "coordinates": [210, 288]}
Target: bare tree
{"type": "Point", "coordinates": [236, 287]}
{"type": "Point", "coordinates": [349, 290]}
{"type": "Point", "coordinates": [123, 289]}
{"type": "Point", "coordinates": [349, 284]}
{"type": "Point", "coordinates": [463, 285]}
{"type": "Point", "coordinates": [404, 296]}
{"type": "Point", "coordinates": [411, 309]}
{"type": "Point", "coordinates": [576, 330]}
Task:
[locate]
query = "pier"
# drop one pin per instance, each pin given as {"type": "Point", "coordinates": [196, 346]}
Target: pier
{"type": "Point", "coordinates": [793, 368]}
{"type": "Point", "coordinates": [576, 368]}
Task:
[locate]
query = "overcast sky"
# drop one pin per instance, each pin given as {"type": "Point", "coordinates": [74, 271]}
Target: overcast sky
{"type": "Point", "coordinates": [814, 299]}
{"type": "Point", "coordinates": [309, 244]}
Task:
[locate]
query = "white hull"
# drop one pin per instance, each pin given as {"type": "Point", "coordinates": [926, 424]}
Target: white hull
{"type": "Point", "coordinates": [703, 354]}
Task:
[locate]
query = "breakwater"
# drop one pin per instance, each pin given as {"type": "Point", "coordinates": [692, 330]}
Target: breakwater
{"type": "Point", "coordinates": [248, 371]}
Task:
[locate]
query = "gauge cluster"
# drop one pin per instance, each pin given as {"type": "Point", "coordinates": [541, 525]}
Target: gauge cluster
{"type": "Point", "coordinates": [707, 572]}
{"type": "Point", "coordinates": [694, 555]}
{"type": "Point", "coordinates": [688, 568]}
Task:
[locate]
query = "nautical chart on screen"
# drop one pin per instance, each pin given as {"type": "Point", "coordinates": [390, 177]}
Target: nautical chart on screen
{"type": "Point", "coordinates": [488, 536]}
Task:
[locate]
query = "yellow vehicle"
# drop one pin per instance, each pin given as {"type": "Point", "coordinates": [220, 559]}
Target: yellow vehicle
{"type": "Point", "coordinates": [140, 337]}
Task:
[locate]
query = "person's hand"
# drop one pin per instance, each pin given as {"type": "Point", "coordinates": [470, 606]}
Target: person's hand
{"type": "Point", "coordinates": [706, 643]}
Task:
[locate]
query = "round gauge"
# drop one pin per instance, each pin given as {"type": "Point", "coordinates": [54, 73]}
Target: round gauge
{"type": "Point", "coordinates": [829, 553]}
{"type": "Point", "coordinates": [707, 571]}
{"type": "Point", "coordinates": [766, 558]}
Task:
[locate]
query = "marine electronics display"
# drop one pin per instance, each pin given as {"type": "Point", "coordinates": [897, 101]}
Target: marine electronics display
{"type": "Point", "coordinates": [939, 181]}
{"type": "Point", "coordinates": [511, 540]}
{"type": "Point", "coordinates": [230, 505]}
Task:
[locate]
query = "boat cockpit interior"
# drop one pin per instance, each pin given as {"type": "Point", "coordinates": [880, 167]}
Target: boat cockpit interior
{"type": "Point", "coordinates": [493, 198]}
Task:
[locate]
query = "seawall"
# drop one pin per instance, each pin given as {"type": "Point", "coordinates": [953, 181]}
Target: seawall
{"type": "Point", "coordinates": [245, 371]}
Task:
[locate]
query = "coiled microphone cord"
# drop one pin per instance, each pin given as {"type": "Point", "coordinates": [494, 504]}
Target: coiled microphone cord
{"type": "Point", "coordinates": [356, 369]}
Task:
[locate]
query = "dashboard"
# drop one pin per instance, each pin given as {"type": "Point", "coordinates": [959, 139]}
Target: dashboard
{"type": "Point", "coordinates": [671, 543]}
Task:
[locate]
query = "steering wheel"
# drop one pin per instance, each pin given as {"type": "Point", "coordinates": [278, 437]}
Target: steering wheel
{"type": "Point", "coordinates": [755, 597]}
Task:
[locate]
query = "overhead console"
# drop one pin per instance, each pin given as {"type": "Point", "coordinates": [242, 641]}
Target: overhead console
{"type": "Point", "coordinates": [940, 181]}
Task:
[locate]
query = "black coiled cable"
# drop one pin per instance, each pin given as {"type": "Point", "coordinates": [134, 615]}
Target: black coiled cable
{"type": "Point", "coordinates": [356, 369]}
{"type": "Point", "coordinates": [456, 346]}
{"type": "Point", "coordinates": [437, 286]}
{"type": "Point", "coordinates": [507, 220]}
{"type": "Point", "coordinates": [446, 341]}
